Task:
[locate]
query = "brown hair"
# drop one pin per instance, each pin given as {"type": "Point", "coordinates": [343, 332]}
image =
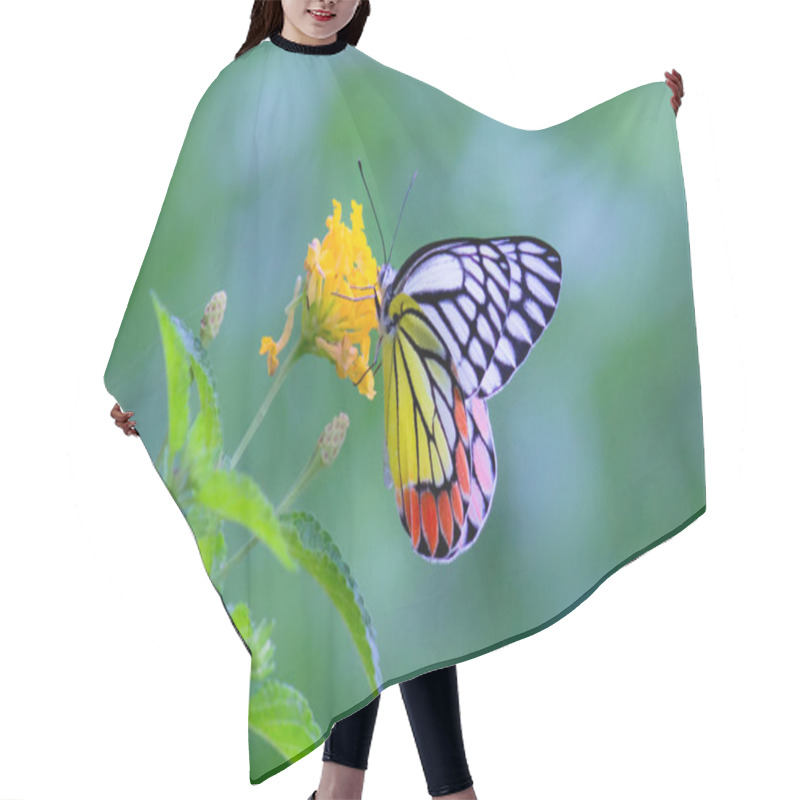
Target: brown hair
{"type": "Point", "coordinates": [266, 18]}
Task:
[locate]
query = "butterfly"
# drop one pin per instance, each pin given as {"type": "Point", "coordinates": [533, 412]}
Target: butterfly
{"type": "Point", "coordinates": [456, 321]}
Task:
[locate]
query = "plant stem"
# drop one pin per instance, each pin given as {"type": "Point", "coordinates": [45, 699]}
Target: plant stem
{"type": "Point", "coordinates": [219, 576]}
{"type": "Point", "coordinates": [309, 471]}
{"type": "Point", "coordinates": [280, 376]}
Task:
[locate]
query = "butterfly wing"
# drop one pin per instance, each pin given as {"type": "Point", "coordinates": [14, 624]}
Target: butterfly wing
{"type": "Point", "coordinates": [484, 471]}
{"type": "Point", "coordinates": [427, 433]}
{"type": "Point", "coordinates": [483, 476]}
{"type": "Point", "coordinates": [489, 299]}
{"type": "Point", "coordinates": [463, 316]}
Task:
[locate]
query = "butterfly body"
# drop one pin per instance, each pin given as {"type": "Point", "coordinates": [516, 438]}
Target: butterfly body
{"type": "Point", "coordinates": [455, 323]}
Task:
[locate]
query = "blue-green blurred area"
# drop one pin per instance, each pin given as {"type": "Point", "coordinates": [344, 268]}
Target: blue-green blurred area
{"type": "Point", "coordinates": [598, 435]}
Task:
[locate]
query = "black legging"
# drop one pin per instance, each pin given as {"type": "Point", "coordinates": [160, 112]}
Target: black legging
{"type": "Point", "coordinates": [432, 706]}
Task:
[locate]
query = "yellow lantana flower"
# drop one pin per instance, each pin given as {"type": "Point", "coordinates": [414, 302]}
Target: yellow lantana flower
{"type": "Point", "coordinates": [350, 363]}
{"type": "Point", "coordinates": [338, 308]}
{"type": "Point", "coordinates": [269, 345]}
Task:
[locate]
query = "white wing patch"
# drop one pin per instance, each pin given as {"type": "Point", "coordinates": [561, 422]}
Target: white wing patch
{"type": "Point", "coordinates": [489, 299]}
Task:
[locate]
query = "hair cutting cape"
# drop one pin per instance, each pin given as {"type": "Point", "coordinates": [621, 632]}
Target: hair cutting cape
{"type": "Point", "coordinates": [391, 469]}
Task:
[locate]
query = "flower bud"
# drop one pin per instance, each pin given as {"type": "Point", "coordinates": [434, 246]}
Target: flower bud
{"type": "Point", "coordinates": [332, 438]}
{"type": "Point", "coordinates": [212, 317]}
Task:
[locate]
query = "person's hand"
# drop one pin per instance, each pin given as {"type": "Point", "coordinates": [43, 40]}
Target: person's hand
{"type": "Point", "coordinates": [122, 419]}
{"type": "Point", "coordinates": [675, 82]}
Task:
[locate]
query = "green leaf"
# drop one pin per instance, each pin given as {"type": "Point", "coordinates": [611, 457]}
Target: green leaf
{"type": "Point", "coordinates": [262, 648]}
{"type": "Point", "coordinates": [282, 716]}
{"type": "Point", "coordinates": [179, 379]}
{"type": "Point", "coordinates": [241, 619]}
{"type": "Point", "coordinates": [317, 553]}
{"type": "Point", "coordinates": [237, 497]}
{"type": "Point", "coordinates": [205, 437]}
{"type": "Point", "coordinates": [207, 529]}
{"type": "Point", "coordinates": [278, 713]}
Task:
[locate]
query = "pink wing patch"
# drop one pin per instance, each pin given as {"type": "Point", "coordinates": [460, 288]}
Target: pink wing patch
{"type": "Point", "coordinates": [484, 473]}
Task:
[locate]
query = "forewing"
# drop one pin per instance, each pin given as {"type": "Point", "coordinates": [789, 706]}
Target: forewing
{"type": "Point", "coordinates": [535, 270]}
{"type": "Point", "coordinates": [489, 300]}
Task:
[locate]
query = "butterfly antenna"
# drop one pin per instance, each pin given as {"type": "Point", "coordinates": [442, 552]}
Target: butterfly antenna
{"type": "Point", "coordinates": [413, 178]}
{"type": "Point", "coordinates": [356, 299]}
{"type": "Point", "coordinates": [375, 214]}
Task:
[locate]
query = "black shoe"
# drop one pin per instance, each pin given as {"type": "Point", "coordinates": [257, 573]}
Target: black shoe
{"type": "Point", "coordinates": [313, 795]}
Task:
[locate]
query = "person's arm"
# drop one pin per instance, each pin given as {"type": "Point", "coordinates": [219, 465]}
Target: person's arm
{"type": "Point", "coordinates": [675, 82]}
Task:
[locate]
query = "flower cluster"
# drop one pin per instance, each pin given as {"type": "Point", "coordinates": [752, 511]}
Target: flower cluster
{"type": "Point", "coordinates": [338, 310]}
